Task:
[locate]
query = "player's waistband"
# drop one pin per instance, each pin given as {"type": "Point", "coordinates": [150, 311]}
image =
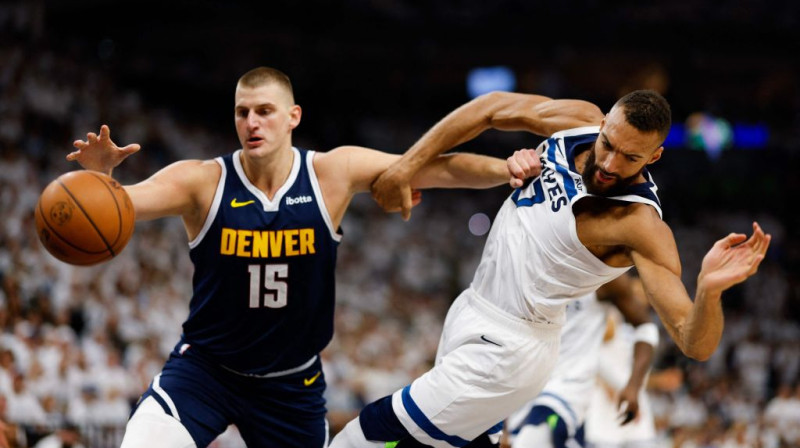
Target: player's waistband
{"type": "Point", "coordinates": [539, 330]}
{"type": "Point", "coordinates": [184, 349]}
{"type": "Point", "coordinates": [277, 374]}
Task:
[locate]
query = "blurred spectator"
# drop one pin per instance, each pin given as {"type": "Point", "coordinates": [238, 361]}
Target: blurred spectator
{"type": "Point", "coordinates": [67, 437]}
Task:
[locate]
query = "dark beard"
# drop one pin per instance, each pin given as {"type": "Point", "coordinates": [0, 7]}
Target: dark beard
{"type": "Point", "coordinates": [617, 189]}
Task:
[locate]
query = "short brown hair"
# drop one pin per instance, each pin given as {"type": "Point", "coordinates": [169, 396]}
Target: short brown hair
{"type": "Point", "coordinates": [647, 111]}
{"type": "Point", "coordinates": [259, 76]}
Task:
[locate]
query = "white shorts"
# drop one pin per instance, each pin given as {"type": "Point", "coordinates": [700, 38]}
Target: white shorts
{"type": "Point", "coordinates": [488, 365]}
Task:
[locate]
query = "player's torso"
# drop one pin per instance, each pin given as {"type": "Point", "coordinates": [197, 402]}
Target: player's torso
{"type": "Point", "coordinates": [535, 257]}
{"type": "Point", "coordinates": [264, 272]}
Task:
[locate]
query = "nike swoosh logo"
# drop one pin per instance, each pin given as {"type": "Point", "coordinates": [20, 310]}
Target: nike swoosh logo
{"type": "Point", "coordinates": [235, 204]}
{"type": "Point", "coordinates": [309, 381]}
{"type": "Point", "coordinates": [483, 337]}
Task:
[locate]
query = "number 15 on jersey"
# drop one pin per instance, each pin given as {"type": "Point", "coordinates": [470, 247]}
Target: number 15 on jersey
{"type": "Point", "coordinates": [275, 276]}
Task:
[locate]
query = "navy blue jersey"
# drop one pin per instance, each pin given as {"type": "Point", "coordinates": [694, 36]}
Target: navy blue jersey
{"type": "Point", "coordinates": [264, 287]}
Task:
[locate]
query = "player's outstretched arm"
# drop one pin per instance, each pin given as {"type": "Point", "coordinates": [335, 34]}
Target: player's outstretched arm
{"type": "Point", "coordinates": [348, 170]}
{"type": "Point", "coordinates": [696, 327]}
{"type": "Point", "coordinates": [185, 188]}
{"type": "Point", "coordinates": [99, 152]}
{"type": "Point", "coordinates": [499, 110]}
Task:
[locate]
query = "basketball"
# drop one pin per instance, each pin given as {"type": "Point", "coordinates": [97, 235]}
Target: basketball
{"type": "Point", "coordinates": [84, 218]}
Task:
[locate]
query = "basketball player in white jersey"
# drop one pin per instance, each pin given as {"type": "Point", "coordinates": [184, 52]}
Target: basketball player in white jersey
{"type": "Point", "coordinates": [555, 418]}
{"type": "Point", "coordinates": [589, 215]}
{"type": "Point", "coordinates": [602, 428]}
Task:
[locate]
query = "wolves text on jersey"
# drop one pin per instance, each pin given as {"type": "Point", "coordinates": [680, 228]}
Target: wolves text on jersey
{"type": "Point", "coordinates": [558, 197]}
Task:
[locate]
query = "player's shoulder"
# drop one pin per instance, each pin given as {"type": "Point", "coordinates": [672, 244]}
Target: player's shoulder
{"type": "Point", "coordinates": [194, 173]}
{"type": "Point", "coordinates": [578, 132]}
{"type": "Point", "coordinates": [624, 222]}
{"type": "Point", "coordinates": [200, 167]}
{"type": "Point", "coordinates": [641, 225]}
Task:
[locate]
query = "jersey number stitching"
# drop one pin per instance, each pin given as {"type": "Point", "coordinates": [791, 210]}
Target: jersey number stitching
{"type": "Point", "coordinates": [275, 276]}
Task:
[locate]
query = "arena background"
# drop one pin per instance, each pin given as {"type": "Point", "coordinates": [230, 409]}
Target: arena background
{"type": "Point", "coordinates": [79, 344]}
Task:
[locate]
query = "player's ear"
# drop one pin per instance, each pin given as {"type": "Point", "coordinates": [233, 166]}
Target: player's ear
{"type": "Point", "coordinates": [656, 155]}
{"type": "Point", "coordinates": [295, 113]}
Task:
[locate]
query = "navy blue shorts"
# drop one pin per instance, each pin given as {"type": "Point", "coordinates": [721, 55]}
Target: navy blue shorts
{"type": "Point", "coordinates": [284, 411]}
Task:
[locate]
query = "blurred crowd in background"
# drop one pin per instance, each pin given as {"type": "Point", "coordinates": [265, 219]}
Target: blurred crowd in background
{"type": "Point", "coordinates": [78, 345]}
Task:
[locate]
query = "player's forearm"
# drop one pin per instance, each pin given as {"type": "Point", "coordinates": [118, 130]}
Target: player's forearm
{"type": "Point", "coordinates": [703, 328]}
{"type": "Point", "coordinates": [642, 359]}
{"type": "Point", "coordinates": [461, 170]}
{"type": "Point", "coordinates": [459, 126]}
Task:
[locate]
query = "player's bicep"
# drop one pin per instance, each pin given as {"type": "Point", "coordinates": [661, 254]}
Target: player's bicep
{"type": "Point", "coordinates": [541, 115]}
{"type": "Point", "coordinates": [172, 191]}
{"type": "Point", "coordinates": [355, 167]}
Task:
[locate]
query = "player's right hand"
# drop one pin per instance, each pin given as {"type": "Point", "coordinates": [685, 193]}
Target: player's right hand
{"type": "Point", "coordinates": [99, 153]}
{"type": "Point", "coordinates": [523, 164]}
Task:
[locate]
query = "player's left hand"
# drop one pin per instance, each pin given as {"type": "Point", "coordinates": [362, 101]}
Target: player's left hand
{"type": "Point", "coordinates": [733, 259]}
{"type": "Point", "coordinates": [392, 191]}
{"type": "Point", "coordinates": [416, 199]}
{"type": "Point", "coordinates": [628, 404]}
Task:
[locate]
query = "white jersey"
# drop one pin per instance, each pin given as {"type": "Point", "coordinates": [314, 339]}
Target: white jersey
{"type": "Point", "coordinates": [533, 259]}
{"type": "Point", "coordinates": [500, 340]}
{"type": "Point", "coordinates": [602, 425]}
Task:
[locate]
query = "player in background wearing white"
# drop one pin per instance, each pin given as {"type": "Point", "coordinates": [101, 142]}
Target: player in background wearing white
{"type": "Point", "coordinates": [555, 418]}
{"type": "Point", "coordinates": [587, 217]}
{"type": "Point", "coordinates": [602, 425]}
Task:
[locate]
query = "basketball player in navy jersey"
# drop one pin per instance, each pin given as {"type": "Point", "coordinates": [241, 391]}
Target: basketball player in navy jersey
{"type": "Point", "coordinates": [590, 213]}
{"type": "Point", "coordinates": [263, 229]}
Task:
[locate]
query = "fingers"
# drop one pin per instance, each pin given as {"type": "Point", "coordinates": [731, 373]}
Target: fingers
{"type": "Point", "coordinates": [730, 240]}
{"type": "Point", "coordinates": [760, 240]}
{"type": "Point", "coordinates": [130, 149]}
{"type": "Point", "coordinates": [514, 168]}
{"type": "Point", "coordinates": [524, 163]}
{"type": "Point", "coordinates": [407, 203]}
{"type": "Point", "coordinates": [628, 410]}
{"type": "Point", "coordinates": [105, 133]}
{"type": "Point", "coordinates": [416, 198]}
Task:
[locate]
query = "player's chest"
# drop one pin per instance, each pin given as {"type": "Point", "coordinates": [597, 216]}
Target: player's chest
{"type": "Point", "coordinates": [602, 235]}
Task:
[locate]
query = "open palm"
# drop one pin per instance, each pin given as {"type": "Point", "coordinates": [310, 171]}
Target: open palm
{"type": "Point", "coordinates": [733, 259]}
{"type": "Point", "coordinates": [99, 153]}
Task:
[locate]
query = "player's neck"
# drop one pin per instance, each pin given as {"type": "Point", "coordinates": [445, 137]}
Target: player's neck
{"type": "Point", "coordinates": [268, 173]}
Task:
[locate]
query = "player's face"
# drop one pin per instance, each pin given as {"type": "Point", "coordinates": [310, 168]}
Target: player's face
{"type": "Point", "coordinates": [265, 117]}
{"type": "Point", "coordinates": [619, 155]}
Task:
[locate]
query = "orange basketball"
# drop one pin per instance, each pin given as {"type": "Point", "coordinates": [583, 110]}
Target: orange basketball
{"type": "Point", "coordinates": [84, 218]}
